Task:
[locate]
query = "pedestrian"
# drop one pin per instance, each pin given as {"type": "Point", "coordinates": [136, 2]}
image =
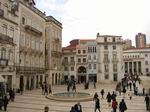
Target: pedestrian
{"type": "Point", "coordinates": [10, 94]}
{"type": "Point", "coordinates": [130, 85]}
{"type": "Point", "coordinates": [42, 86]}
{"type": "Point", "coordinates": [109, 99]}
{"type": "Point", "coordinates": [1, 103]}
{"type": "Point", "coordinates": [5, 102]}
{"type": "Point", "coordinates": [122, 106]}
{"type": "Point", "coordinates": [114, 105]}
{"type": "Point", "coordinates": [50, 89]}
{"type": "Point", "coordinates": [46, 89]}
{"type": "Point", "coordinates": [78, 107]}
{"type": "Point", "coordinates": [147, 101]}
{"type": "Point", "coordinates": [95, 96]}
{"type": "Point", "coordinates": [46, 109]}
{"type": "Point", "coordinates": [143, 91]}
{"type": "Point", "coordinates": [72, 109]}
{"type": "Point", "coordinates": [124, 91]}
{"type": "Point", "coordinates": [74, 88]}
{"type": "Point", "coordinates": [102, 93]}
{"type": "Point", "coordinates": [94, 84]}
{"type": "Point", "coordinates": [13, 95]}
{"type": "Point", "coordinates": [113, 96]}
{"type": "Point", "coordinates": [130, 95]}
{"type": "Point", "coordinates": [97, 105]}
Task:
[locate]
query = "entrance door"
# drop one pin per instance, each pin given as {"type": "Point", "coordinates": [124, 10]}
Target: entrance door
{"type": "Point", "coordinates": [115, 77]}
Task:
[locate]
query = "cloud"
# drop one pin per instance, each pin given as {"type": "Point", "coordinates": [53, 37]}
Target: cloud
{"type": "Point", "coordinates": [84, 18]}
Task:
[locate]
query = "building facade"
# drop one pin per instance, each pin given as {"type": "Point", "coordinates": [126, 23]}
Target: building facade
{"type": "Point", "coordinates": [127, 44]}
{"type": "Point", "coordinates": [137, 61]}
{"type": "Point", "coordinates": [92, 61]}
{"type": "Point", "coordinates": [9, 31]}
{"type": "Point", "coordinates": [53, 50]}
{"type": "Point", "coordinates": [110, 58]}
{"type": "Point", "coordinates": [140, 40]}
{"type": "Point", "coordinates": [30, 66]}
{"type": "Point", "coordinates": [69, 60]}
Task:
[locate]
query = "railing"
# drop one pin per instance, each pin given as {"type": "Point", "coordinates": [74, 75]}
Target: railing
{"type": "Point", "coordinates": [29, 69]}
{"type": "Point", "coordinates": [5, 39]}
{"type": "Point", "coordinates": [3, 62]}
{"type": "Point", "coordinates": [32, 29]}
{"type": "Point", "coordinates": [106, 60]}
{"type": "Point", "coordinates": [56, 54]}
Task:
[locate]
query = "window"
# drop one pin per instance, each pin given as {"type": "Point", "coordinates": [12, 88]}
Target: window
{"type": "Point", "coordinates": [105, 39]}
{"type": "Point", "coordinates": [146, 55]}
{"type": "Point", "coordinates": [113, 39]}
{"type": "Point", "coordinates": [89, 57]}
{"type": "Point", "coordinates": [72, 59]}
{"type": "Point", "coordinates": [106, 56]}
{"type": "Point", "coordinates": [84, 59]}
{"type": "Point", "coordinates": [72, 68]}
{"type": "Point", "coordinates": [106, 69]}
{"type": "Point", "coordinates": [23, 20]}
{"type": "Point", "coordinates": [11, 32]}
{"type": "Point", "coordinates": [4, 29]}
{"type": "Point", "coordinates": [114, 56]}
{"type": "Point", "coordinates": [84, 51]}
{"type": "Point", "coordinates": [66, 59]}
{"type": "Point", "coordinates": [79, 51]}
{"type": "Point", "coordinates": [94, 57]}
{"type": "Point", "coordinates": [94, 66]}
{"type": "Point", "coordinates": [114, 67]}
{"type": "Point", "coordinates": [79, 60]}
{"type": "Point", "coordinates": [10, 55]}
{"type": "Point", "coordinates": [90, 67]}
{"type": "Point", "coordinates": [146, 70]}
{"type": "Point", "coordinates": [3, 53]}
{"type": "Point", "coordinates": [146, 62]}
{"type": "Point", "coordinates": [106, 76]}
{"type": "Point", "coordinates": [114, 47]}
{"type": "Point", "coordinates": [106, 47]}
{"type": "Point", "coordinates": [66, 68]}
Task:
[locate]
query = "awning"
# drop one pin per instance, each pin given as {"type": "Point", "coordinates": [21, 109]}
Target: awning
{"type": "Point", "coordinates": [2, 79]}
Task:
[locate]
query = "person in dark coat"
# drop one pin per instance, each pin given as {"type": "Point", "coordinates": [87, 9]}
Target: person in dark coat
{"type": "Point", "coordinates": [102, 93]}
{"type": "Point", "coordinates": [5, 102]}
{"type": "Point", "coordinates": [78, 107]}
{"type": "Point", "coordinates": [113, 96]}
{"type": "Point", "coordinates": [147, 101]}
{"type": "Point", "coordinates": [72, 109]}
{"type": "Point", "coordinates": [109, 99]}
{"type": "Point", "coordinates": [95, 96]}
{"type": "Point", "coordinates": [97, 105]}
{"type": "Point", "coordinates": [122, 106]}
{"type": "Point", "coordinates": [13, 95]}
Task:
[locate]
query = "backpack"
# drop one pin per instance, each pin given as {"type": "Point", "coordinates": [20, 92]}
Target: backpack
{"type": "Point", "coordinates": [114, 104]}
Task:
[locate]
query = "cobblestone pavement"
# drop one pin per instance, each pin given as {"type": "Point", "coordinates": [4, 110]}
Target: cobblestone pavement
{"type": "Point", "coordinates": [34, 101]}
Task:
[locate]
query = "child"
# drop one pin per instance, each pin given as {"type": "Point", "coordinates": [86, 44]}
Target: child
{"type": "Point", "coordinates": [130, 95]}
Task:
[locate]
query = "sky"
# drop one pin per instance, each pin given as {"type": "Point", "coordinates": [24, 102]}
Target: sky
{"type": "Point", "coordinates": [83, 19]}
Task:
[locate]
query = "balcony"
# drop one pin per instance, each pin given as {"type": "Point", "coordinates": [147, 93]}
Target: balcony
{"type": "Point", "coordinates": [29, 70]}
{"type": "Point", "coordinates": [115, 60]}
{"type": "Point", "coordinates": [3, 62]}
{"type": "Point", "coordinates": [56, 54]}
{"type": "Point", "coordinates": [33, 30]}
{"type": "Point", "coordinates": [106, 60]}
{"type": "Point", "coordinates": [1, 13]}
{"type": "Point", "coordinates": [4, 39]}
{"type": "Point", "coordinates": [72, 62]}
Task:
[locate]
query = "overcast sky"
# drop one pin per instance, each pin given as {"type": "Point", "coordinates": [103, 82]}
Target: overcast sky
{"type": "Point", "coordinates": [82, 19]}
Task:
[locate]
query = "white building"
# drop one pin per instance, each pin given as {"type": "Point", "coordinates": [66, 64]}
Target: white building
{"type": "Point", "coordinates": [137, 61]}
{"type": "Point", "coordinates": [92, 60]}
{"type": "Point", "coordinates": [110, 58]}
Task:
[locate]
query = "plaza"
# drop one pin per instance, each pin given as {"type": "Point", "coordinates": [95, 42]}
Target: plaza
{"type": "Point", "coordinates": [34, 101]}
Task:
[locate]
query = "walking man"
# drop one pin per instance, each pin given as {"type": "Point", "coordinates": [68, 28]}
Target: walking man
{"type": "Point", "coordinates": [97, 105]}
{"type": "Point", "coordinates": [122, 106]}
{"type": "Point", "coordinates": [147, 100]}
